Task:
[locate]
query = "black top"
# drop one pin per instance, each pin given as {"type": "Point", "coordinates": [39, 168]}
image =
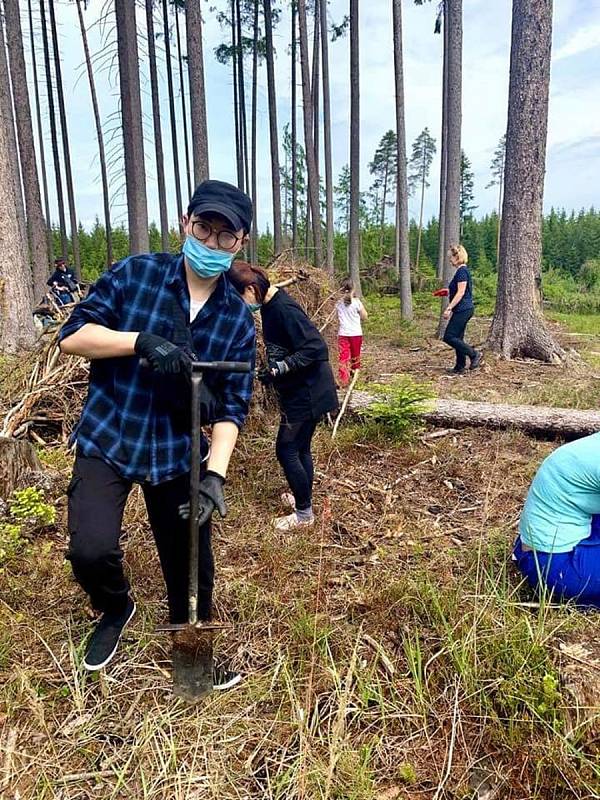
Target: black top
{"type": "Point", "coordinates": [307, 391]}
{"type": "Point", "coordinates": [64, 278]}
{"type": "Point", "coordinates": [466, 302]}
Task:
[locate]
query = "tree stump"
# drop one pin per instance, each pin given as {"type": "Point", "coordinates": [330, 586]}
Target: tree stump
{"type": "Point", "coordinates": [17, 457]}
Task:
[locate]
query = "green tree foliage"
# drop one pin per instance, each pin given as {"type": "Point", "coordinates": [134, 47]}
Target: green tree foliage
{"type": "Point", "coordinates": [383, 168]}
{"type": "Point", "coordinates": [286, 183]}
{"type": "Point", "coordinates": [467, 189]}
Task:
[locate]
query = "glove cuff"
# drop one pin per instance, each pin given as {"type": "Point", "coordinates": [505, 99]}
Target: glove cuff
{"type": "Point", "coordinates": [138, 344]}
{"type": "Point", "coordinates": [216, 475]}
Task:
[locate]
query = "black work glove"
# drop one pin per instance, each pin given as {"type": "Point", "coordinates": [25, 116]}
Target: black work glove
{"type": "Point", "coordinates": [274, 370]}
{"type": "Point", "coordinates": [164, 356]}
{"type": "Point", "coordinates": [211, 497]}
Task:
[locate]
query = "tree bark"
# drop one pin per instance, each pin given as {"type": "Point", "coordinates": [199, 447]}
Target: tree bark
{"type": "Point", "coordinates": [239, 157]}
{"type": "Point", "coordinates": [173, 119]}
{"type": "Point", "coordinates": [294, 133]}
{"type": "Point", "coordinates": [443, 161]}
{"type": "Point", "coordinates": [184, 122]}
{"type": "Point", "coordinates": [402, 246]}
{"type": "Point", "coordinates": [133, 141]}
{"type": "Point", "coordinates": [54, 136]}
{"type": "Point", "coordinates": [193, 29]}
{"type": "Point", "coordinates": [242, 101]}
{"type": "Point", "coordinates": [99, 136]}
{"type": "Point", "coordinates": [36, 225]}
{"type": "Point", "coordinates": [271, 90]}
{"type": "Point", "coordinates": [253, 129]}
{"type": "Point", "coordinates": [16, 322]}
{"type": "Point", "coordinates": [518, 327]}
{"type": "Point", "coordinates": [453, 135]}
{"type": "Point", "coordinates": [315, 87]}
{"type": "Point", "coordinates": [158, 147]}
{"type": "Point", "coordinates": [420, 231]}
{"type": "Point", "coordinates": [38, 111]}
{"type": "Point", "coordinates": [354, 240]}
{"type": "Point", "coordinates": [65, 143]}
{"type": "Point", "coordinates": [17, 457]}
{"type": "Point", "coordinates": [327, 138]}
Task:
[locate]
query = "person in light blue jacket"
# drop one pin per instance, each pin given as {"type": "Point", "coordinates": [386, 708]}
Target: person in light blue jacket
{"type": "Point", "coordinates": [559, 530]}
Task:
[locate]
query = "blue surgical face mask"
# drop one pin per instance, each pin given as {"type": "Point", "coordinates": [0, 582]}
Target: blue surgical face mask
{"type": "Point", "coordinates": [254, 307]}
{"type": "Point", "coordinates": [206, 263]}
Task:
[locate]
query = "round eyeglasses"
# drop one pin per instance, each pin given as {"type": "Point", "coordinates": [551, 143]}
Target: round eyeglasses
{"type": "Point", "coordinates": [226, 240]}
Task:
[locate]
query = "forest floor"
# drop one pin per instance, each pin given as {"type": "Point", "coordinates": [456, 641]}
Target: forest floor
{"type": "Point", "coordinates": [390, 652]}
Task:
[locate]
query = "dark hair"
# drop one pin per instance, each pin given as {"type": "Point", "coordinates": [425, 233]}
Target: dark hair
{"type": "Point", "coordinates": [242, 275]}
{"type": "Point", "coordinates": [347, 287]}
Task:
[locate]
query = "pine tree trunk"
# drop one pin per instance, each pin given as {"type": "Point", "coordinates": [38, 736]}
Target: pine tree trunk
{"type": "Point", "coordinates": [172, 116]}
{"type": "Point", "coordinates": [418, 258]}
{"type": "Point", "coordinates": [315, 85]}
{"type": "Point", "coordinates": [131, 113]}
{"type": "Point", "coordinates": [402, 248]}
{"type": "Point", "coordinates": [383, 202]}
{"type": "Point", "coordinates": [444, 161]}
{"type": "Point", "coordinates": [100, 137]}
{"type": "Point", "coordinates": [36, 226]}
{"type": "Point", "coordinates": [500, 190]}
{"type": "Point", "coordinates": [184, 119]}
{"type": "Point", "coordinates": [54, 136]}
{"type": "Point", "coordinates": [354, 241]}
{"type": "Point", "coordinates": [65, 143]}
{"type": "Point", "coordinates": [271, 89]}
{"type": "Point", "coordinates": [16, 322]}
{"type": "Point", "coordinates": [38, 112]}
{"type": "Point", "coordinates": [242, 96]}
{"type": "Point", "coordinates": [253, 129]}
{"type": "Point", "coordinates": [158, 147]}
{"type": "Point", "coordinates": [239, 157]}
{"type": "Point", "coordinates": [518, 327]}
{"type": "Point", "coordinates": [327, 138]}
{"type": "Point", "coordinates": [193, 30]}
{"type": "Point", "coordinates": [453, 136]}
{"type": "Point", "coordinates": [294, 133]}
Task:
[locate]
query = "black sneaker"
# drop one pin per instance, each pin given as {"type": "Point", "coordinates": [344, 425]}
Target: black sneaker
{"type": "Point", "coordinates": [476, 360]}
{"type": "Point", "coordinates": [104, 640]}
{"type": "Point", "coordinates": [456, 371]}
{"type": "Point", "coordinates": [224, 678]}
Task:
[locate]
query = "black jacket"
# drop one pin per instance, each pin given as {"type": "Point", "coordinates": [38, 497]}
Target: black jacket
{"type": "Point", "coordinates": [307, 391]}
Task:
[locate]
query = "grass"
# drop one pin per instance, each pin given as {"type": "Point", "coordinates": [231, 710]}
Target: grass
{"type": "Point", "coordinates": [577, 323]}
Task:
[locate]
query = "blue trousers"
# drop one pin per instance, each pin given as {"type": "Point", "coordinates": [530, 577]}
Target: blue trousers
{"type": "Point", "coordinates": [569, 576]}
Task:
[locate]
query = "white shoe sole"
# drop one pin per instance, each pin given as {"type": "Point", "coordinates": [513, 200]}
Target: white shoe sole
{"type": "Point", "coordinates": [221, 687]}
{"type": "Point", "coordinates": [96, 667]}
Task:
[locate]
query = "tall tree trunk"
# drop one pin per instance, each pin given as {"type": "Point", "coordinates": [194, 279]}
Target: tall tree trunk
{"type": "Point", "coordinates": [518, 327]}
{"type": "Point", "coordinates": [242, 100]}
{"type": "Point", "coordinates": [172, 116]}
{"type": "Point", "coordinates": [193, 30]}
{"type": "Point", "coordinates": [313, 185]}
{"type": "Point", "coordinates": [275, 176]}
{"type": "Point", "coordinates": [453, 135]}
{"type": "Point", "coordinates": [383, 202]}
{"type": "Point", "coordinates": [500, 190]}
{"type": "Point", "coordinates": [354, 241]}
{"type": "Point", "coordinates": [444, 161]}
{"type": "Point", "coordinates": [38, 112]}
{"type": "Point", "coordinates": [327, 137]}
{"type": "Point", "coordinates": [158, 147]}
{"type": "Point", "coordinates": [36, 225]}
{"type": "Point", "coordinates": [186, 145]}
{"type": "Point", "coordinates": [16, 322]}
{"type": "Point", "coordinates": [239, 158]}
{"type": "Point", "coordinates": [402, 247]}
{"type": "Point", "coordinates": [253, 128]}
{"type": "Point", "coordinates": [54, 136]}
{"type": "Point", "coordinates": [420, 231]}
{"type": "Point", "coordinates": [100, 137]}
{"type": "Point", "coordinates": [65, 142]}
{"type": "Point", "coordinates": [131, 112]}
{"type": "Point", "coordinates": [294, 133]}
{"type": "Point", "coordinates": [315, 86]}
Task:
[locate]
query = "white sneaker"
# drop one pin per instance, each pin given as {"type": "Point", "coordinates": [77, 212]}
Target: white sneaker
{"type": "Point", "coordinates": [291, 521]}
{"type": "Point", "coordinates": [288, 500]}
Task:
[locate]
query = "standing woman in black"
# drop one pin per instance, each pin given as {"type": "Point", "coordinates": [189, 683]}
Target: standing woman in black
{"type": "Point", "coordinates": [459, 311]}
{"type": "Point", "coordinates": [298, 367]}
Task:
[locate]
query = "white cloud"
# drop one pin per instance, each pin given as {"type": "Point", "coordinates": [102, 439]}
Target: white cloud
{"type": "Point", "coordinates": [581, 41]}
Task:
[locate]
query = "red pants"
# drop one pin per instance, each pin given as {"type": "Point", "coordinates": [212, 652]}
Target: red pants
{"type": "Point", "coordinates": [349, 351]}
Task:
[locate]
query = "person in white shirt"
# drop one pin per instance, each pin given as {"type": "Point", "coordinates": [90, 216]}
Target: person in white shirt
{"type": "Point", "coordinates": [351, 313]}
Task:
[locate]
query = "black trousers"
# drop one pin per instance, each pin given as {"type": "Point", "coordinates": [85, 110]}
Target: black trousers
{"type": "Point", "coordinates": [455, 331]}
{"type": "Point", "coordinates": [96, 500]}
{"type": "Point", "coordinates": [293, 453]}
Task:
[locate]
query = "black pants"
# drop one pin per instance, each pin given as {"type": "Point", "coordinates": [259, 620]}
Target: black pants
{"type": "Point", "coordinates": [293, 453]}
{"type": "Point", "coordinates": [455, 330]}
{"type": "Point", "coordinates": [96, 500]}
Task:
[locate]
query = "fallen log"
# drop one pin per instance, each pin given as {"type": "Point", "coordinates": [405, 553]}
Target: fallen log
{"type": "Point", "coordinates": [541, 420]}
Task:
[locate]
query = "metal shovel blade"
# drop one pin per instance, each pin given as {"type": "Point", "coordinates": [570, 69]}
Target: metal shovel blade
{"type": "Point", "coordinates": [192, 656]}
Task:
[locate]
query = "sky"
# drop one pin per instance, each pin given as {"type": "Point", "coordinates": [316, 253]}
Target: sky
{"type": "Point", "coordinates": [573, 155]}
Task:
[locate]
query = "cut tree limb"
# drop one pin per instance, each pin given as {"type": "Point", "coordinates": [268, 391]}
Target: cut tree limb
{"type": "Point", "coordinates": [16, 458]}
{"type": "Point", "coordinates": [566, 422]}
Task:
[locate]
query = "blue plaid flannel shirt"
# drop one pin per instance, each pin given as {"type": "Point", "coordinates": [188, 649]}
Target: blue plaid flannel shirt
{"type": "Point", "coordinates": [126, 420]}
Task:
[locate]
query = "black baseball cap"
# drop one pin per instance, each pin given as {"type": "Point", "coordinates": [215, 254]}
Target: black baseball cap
{"type": "Point", "coordinates": [218, 197]}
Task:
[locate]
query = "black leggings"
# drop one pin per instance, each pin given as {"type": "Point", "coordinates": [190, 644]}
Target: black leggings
{"type": "Point", "coordinates": [97, 496]}
{"type": "Point", "coordinates": [455, 330]}
{"type": "Point", "coordinates": [293, 453]}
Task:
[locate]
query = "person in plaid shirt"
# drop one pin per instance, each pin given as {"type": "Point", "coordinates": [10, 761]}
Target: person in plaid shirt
{"type": "Point", "coordinates": [141, 325]}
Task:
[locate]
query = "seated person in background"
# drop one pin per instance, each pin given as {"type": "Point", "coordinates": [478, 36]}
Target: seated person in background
{"type": "Point", "coordinates": [63, 282]}
{"type": "Point", "coordinates": [559, 530]}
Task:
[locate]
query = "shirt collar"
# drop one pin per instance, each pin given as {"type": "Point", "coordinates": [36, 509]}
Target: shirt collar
{"type": "Point", "coordinates": [176, 277]}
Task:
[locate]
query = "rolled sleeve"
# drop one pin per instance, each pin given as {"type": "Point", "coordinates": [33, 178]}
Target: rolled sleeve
{"type": "Point", "coordinates": [235, 388]}
{"type": "Point", "coordinates": [102, 306]}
